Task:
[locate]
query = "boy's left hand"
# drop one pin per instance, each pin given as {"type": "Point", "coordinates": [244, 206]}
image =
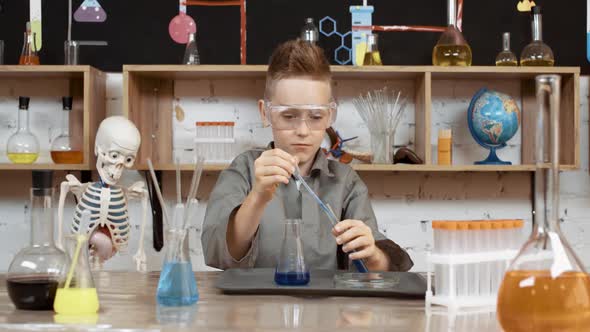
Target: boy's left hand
{"type": "Point", "coordinates": [356, 235]}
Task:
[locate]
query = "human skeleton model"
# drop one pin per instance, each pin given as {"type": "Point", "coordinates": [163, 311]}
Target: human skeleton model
{"type": "Point", "coordinates": [117, 143]}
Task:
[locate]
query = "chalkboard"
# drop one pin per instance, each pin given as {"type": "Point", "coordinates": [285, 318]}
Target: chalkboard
{"type": "Point", "coordinates": [137, 30]}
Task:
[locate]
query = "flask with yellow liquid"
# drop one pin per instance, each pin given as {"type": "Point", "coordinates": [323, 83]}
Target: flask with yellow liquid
{"type": "Point", "coordinates": [23, 146]}
{"type": "Point", "coordinates": [545, 288]}
{"type": "Point", "coordinates": [78, 295]}
{"type": "Point", "coordinates": [451, 49]}
{"type": "Point", "coordinates": [372, 55]}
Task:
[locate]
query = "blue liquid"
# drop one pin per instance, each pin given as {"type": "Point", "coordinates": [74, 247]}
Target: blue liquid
{"type": "Point", "coordinates": [292, 278]}
{"type": "Point", "coordinates": [177, 285]}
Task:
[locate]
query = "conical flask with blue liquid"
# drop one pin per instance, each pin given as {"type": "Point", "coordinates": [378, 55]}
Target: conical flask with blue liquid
{"type": "Point", "coordinates": [177, 285]}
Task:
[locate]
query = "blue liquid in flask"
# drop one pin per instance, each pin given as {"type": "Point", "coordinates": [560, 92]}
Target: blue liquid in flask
{"type": "Point", "coordinates": [294, 278]}
{"type": "Point", "coordinates": [177, 285]}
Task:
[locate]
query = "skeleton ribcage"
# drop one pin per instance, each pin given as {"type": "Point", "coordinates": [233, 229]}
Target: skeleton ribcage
{"type": "Point", "coordinates": [114, 217]}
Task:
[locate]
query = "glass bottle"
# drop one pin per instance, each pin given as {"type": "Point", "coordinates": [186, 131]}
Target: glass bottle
{"type": "Point", "coordinates": [78, 295]}
{"type": "Point", "coordinates": [310, 32]}
{"type": "Point", "coordinates": [191, 53]}
{"type": "Point", "coordinates": [65, 149]}
{"type": "Point", "coordinates": [291, 268]}
{"type": "Point", "coordinates": [545, 287]}
{"type": "Point", "coordinates": [29, 54]}
{"type": "Point", "coordinates": [451, 48]}
{"type": "Point", "coordinates": [537, 53]}
{"type": "Point", "coordinates": [23, 146]}
{"type": "Point", "coordinates": [36, 271]}
{"type": "Point", "coordinates": [506, 57]}
{"type": "Point", "coordinates": [372, 55]}
{"type": "Point", "coordinates": [177, 285]}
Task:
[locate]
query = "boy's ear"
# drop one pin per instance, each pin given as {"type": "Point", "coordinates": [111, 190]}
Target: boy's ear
{"type": "Point", "coordinates": [262, 113]}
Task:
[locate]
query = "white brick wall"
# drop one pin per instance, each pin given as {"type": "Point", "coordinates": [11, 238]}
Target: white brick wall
{"type": "Point", "coordinates": [401, 200]}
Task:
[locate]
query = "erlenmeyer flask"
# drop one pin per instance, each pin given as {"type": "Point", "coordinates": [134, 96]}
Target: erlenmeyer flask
{"type": "Point", "coordinates": [451, 49]}
{"type": "Point", "coordinates": [291, 269]}
{"type": "Point", "coordinates": [191, 52]}
{"type": "Point", "coordinates": [546, 288]}
{"type": "Point", "coordinates": [78, 295]}
{"type": "Point", "coordinates": [177, 285]}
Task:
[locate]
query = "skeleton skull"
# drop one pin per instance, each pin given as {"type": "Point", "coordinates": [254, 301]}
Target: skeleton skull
{"type": "Point", "coordinates": [117, 142]}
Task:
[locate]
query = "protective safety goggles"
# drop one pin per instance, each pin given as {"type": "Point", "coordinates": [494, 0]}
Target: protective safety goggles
{"type": "Point", "coordinates": [289, 117]}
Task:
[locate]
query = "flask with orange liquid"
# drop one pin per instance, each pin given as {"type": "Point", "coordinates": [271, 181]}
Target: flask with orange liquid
{"type": "Point", "coordinates": [29, 54]}
{"type": "Point", "coordinates": [546, 288]}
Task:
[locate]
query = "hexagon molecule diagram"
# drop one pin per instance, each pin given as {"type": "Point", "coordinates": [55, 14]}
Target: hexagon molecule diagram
{"type": "Point", "coordinates": [343, 53]}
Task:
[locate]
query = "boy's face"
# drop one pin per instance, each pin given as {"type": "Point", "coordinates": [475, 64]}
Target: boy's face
{"type": "Point", "coordinates": [302, 141]}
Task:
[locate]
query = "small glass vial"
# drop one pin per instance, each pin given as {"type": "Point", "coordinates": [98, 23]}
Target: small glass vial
{"type": "Point", "coordinates": [23, 146]}
{"type": "Point", "coordinates": [65, 149]}
{"type": "Point", "coordinates": [537, 53]}
{"type": "Point", "coordinates": [191, 53]}
{"type": "Point", "coordinates": [372, 56]}
{"type": "Point", "coordinates": [291, 269]}
{"type": "Point", "coordinates": [29, 54]}
{"type": "Point", "coordinates": [310, 32]}
{"type": "Point", "coordinates": [506, 57]}
{"type": "Point", "coordinates": [445, 147]}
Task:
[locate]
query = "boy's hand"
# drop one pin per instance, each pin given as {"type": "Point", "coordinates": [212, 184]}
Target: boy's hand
{"type": "Point", "coordinates": [272, 168]}
{"type": "Point", "coordinates": [356, 235]}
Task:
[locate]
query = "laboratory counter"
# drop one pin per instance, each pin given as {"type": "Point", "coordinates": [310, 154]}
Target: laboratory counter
{"type": "Point", "coordinates": [127, 301]}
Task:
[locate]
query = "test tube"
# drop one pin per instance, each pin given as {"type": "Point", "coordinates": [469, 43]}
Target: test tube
{"type": "Point", "coordinates": [485, 281]}
{"type": "Point", "coordinates": [438, 245]}
{"type": "Point", "coordinates": [476, 243]}
{"type": "Point", "coordinates": [448, 281]}
{"type": "Point", "coordinates": [497, 241]}
{"type": "Point", "coordinates": [462, 278]}
{"type": "Point", "coordinates": [518, 233]}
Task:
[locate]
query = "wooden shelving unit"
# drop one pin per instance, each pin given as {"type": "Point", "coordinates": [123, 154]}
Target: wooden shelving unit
{"type": "Point", "coordinates": [85, 84]}
{"type": "Point", "coordinates": [149, 93]}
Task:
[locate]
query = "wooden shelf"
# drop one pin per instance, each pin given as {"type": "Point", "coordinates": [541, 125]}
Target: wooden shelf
{"type": "Point", "coordinates": [149, 91]}
{"type": "Point", "coordinates": [23, 167]}
{"type": "Point", "coordinates": [85, 84]}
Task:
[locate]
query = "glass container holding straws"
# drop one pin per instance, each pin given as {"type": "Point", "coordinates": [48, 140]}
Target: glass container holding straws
{"type": "Point", "coordinates": [381, 111]}
{"type": "Point", "coordinates": [177, 285]}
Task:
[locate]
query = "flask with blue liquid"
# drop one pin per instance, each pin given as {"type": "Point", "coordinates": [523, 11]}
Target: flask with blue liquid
{"type": "Point", "coordinates": [291, 269]}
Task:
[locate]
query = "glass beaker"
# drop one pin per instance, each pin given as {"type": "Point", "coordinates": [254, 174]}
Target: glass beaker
{"type": "Point", "coordinates": [537, 53]}
{"type": "Point", "coordinates": [78, 296]}
{"type": "Point", "coordinates": [291, 269]}
{"type": "Point", "coordinates": [191, 53]}
{"type": "Point", "coordinates": [506, 57]}
{"type": "Point", "coordinates": [545, 288]}
{"type": "Point", "coordinates": [177, 285]}
{"type": "Point", "coordinates": [382, 146]}
{"type": "Point", "coordinates": [23, 146]}
{"type": "Point", "coordinates": [29, 54]}
{"type": "Point", "coordinates": [71, 52]}
{"type": "Point", "coordinates": [372, 55]}
{"type": "Point", "coordinates": [64, 149]}
{"type": "Point", "coordinates": [451, 48]}
{"type": "Point", "coordinates": [36, 271]}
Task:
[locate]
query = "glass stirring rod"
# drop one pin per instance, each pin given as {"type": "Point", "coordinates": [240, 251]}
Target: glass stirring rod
{"type": "Point", "coordinates": [358, 263]}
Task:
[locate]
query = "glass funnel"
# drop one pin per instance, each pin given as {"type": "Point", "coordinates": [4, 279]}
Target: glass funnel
{"type": "Point", "coordinates": [191, 53]}
{"type": "Point", "coordinates": [537, 53]}
{"type": "Point", "coordinates": [23, 146]}
{"type": "Point", "coordinates": [36, 271]}
{"type": "Point", "coordinates": [78, 295]}
{"type": "Point", "coordinates": [545, 288]}
{"type": "Point", "coordinates": [291, 269]}
{"type": "Point", "coordinates": [451, 48]}
{"type": "Point", "coordinates": [372, 56]}
{"type": "Point", "coordinates": [177, 285]}
{"type": "Point", "coordinates": [506, 57]}
{"type": "Point", "coordinates": [65, 149]}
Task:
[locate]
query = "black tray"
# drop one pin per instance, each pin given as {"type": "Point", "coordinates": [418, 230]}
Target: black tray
{"type": "Point", "coordinates": [261, 281]}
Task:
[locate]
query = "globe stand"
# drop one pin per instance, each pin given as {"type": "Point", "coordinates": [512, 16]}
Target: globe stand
{"type": "Point", "coordinates": [492, 158]}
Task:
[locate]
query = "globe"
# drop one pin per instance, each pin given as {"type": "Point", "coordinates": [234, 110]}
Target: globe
{"type": "Point", "coordinates": [493, 119]}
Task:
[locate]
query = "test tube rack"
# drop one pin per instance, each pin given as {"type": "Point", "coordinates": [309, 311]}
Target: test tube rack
{"type": "Point", "coordinates": [469, 260]}
{"type": "Point", "coordinates": [216, 141]}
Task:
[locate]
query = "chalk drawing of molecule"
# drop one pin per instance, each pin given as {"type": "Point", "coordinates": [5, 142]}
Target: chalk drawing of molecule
{"type": "Point", "coordinates": [343, 50]}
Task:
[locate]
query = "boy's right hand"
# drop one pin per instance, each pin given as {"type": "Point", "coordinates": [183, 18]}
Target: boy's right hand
{"type": "Point", "coordinates": [272, 168]}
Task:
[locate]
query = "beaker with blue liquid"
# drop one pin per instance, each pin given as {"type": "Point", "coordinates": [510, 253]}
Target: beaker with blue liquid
{"type": "Point", "coordinates": [291, 269]}
{"type": "Point", "coordinates": [177, 285]}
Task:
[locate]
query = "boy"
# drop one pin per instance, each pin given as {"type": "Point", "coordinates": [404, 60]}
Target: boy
{"type": "Point", "coordinates": [245, 215]}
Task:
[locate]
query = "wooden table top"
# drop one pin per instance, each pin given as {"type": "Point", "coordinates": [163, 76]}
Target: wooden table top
{"type": "Point", "coordinates": [127, 301]}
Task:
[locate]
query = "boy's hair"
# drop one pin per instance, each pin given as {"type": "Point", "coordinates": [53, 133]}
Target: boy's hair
{"type": "Point", "coordinates": [296, 58]}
